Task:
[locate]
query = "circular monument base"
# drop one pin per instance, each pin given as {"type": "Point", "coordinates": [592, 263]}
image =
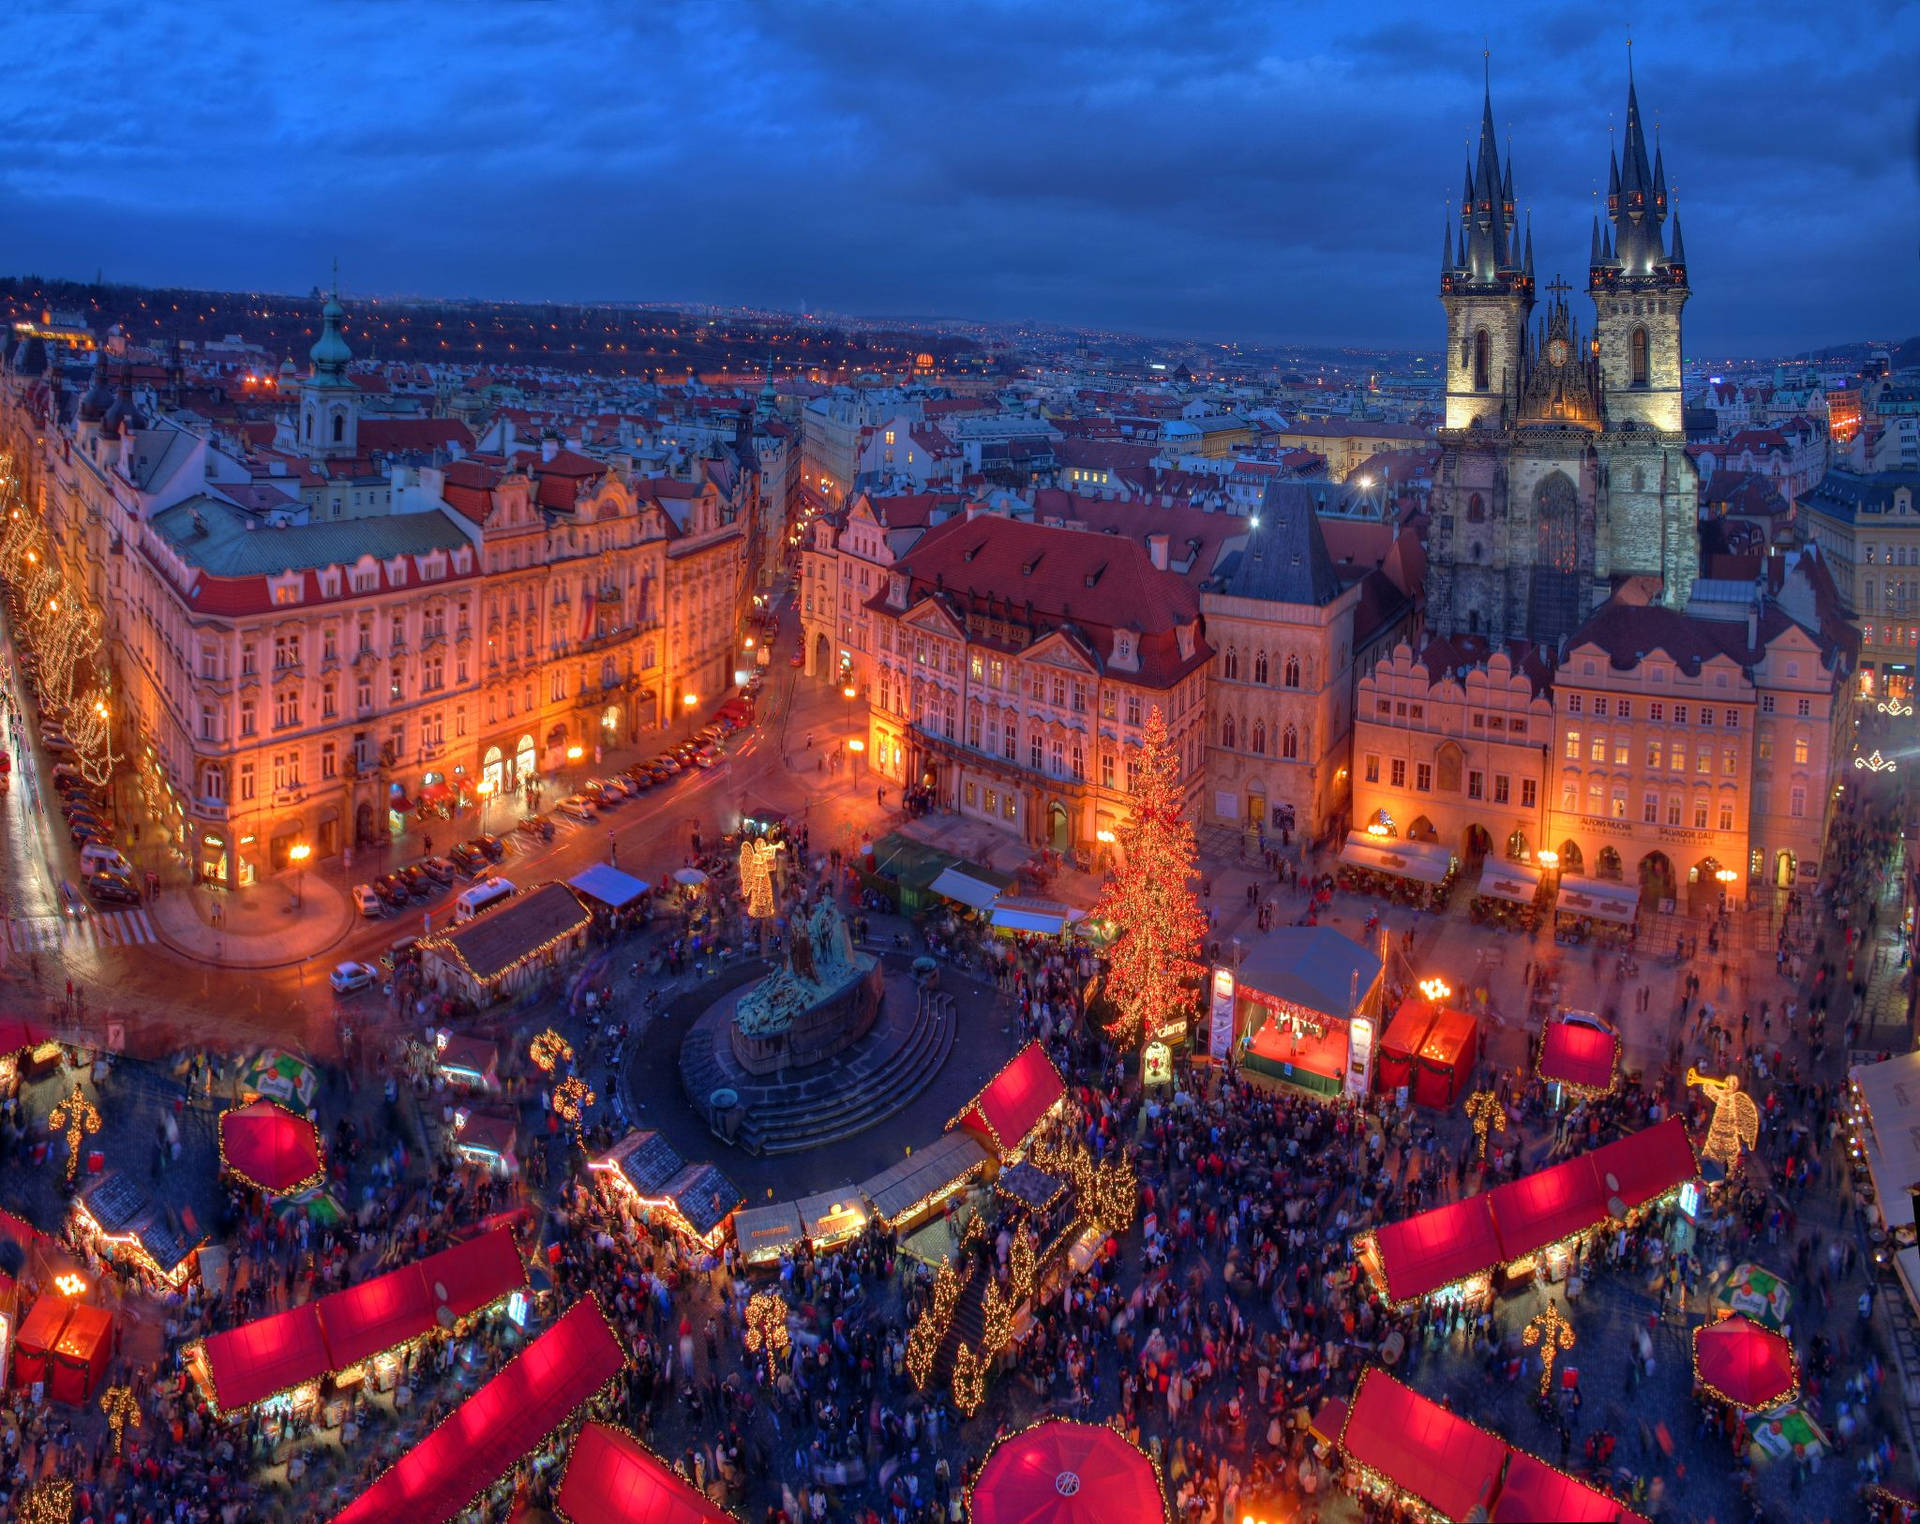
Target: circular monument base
{"type": "Point", "coordinates": [793, 1109]}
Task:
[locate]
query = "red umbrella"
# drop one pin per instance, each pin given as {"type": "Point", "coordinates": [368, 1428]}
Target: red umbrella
{"type": "Point", "coordinates": [271, 1148]}
{"type": "Point", "coordinates": [1064, 1472]}
{"type": "Point", "coordinates": [1745, 1363]}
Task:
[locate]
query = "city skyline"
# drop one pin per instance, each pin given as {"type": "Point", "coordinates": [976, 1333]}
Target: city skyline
{"type": "Point", "coordinates": [992, 172]}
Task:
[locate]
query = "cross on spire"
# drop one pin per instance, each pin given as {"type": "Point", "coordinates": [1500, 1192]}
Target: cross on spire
{"type": "Point", "coordinates": [1559, 287]}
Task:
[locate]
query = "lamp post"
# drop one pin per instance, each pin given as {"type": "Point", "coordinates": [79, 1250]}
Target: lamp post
{"type": "Point", "coordinates": [298, 854]}
{"type": "Point", "coordinates": [1726, 876]}
{"type": "Point", "coordinates": [574, 754]}
{"type": "Point", "coordinates": [487, 790]}
{"type": "Point", "coordinates": [859, 749]}
{"type": "Point", "coordinates": [847, 693]}
{"type": "Point", "coordinates": [688, 703]}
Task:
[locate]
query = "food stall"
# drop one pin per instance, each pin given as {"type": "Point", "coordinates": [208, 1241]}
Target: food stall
{"type": "Point", "coordinates": [488, 1137]}
{"type": "Point", "coordinates": [1027, 916]}
{"type": "Point", "coordinates": [116, 1217]}
{"type": "Point", "coordinates": [33, 1346]}
{"type": "Point", "coordinates": [766, 1233]}
{"type": "Point", "coordinates": [1447, 1056]}
{"type": "Point", "coordinates": [1511, 894]}
{"type": "Point", "coordinates": [832, 1219]}
{"type": "Point", "coordinates": [701, 1200]}
{"type": "Point", "coordinates": [1406, 872]}
{"type": "Point", "coordinates": [1592, 909]}
{"type": "Point", "coordinates": [1400, 1047]}
{"type": "Point", "coordinates": [1015, 1103]}
{"type": "Point", "coordinates": [1041, 1200]}
{"type": "Point", "coordinates": [908, 1192]}
{"type": "Point", "coordinates": [1583, 1061]}
{"type": "Point", "coordinates": [81, 1354]}
{"type": "Point", "coordinates": [612, 1478]}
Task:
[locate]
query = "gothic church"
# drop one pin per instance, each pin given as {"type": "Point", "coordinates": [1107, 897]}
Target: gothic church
{"type": "Point", "coordinates": [1564, 472]}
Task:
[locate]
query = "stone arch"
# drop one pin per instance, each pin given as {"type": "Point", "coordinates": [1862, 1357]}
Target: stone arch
{"type": "Point", "coordinates": [1482, 360]}
{"type": "Point", "coordinates": [1572, 860]}
{"type": "Point", "coordinates": [1607, 864]}
{"type": "Point", "coordinates": [1422, 830]}
{"type": "Point", "coordinates": [1517, 848]}
{"type": "Point", "coordinates": [1475, 843]}
{"type": "Point", "coordinates": [822, 656]}
{"type": "Point", "coordinates": [1656, 877]}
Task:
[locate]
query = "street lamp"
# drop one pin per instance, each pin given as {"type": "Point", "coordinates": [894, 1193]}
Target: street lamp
{"type": "Point", "coordinates": [1547, 858]}
{"type": "Point", "coordinates": [299, 852]}
{"type": "Point", "coordinates": [486, 787]}
{"type": "Point", "coordinates": [859, 749]}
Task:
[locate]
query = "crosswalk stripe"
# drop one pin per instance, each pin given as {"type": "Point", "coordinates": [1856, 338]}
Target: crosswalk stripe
{"type": "Point", "coordinates": [112, 928]}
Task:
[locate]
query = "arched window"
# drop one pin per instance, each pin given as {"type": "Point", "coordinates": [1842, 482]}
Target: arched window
{"type": "Point", "coordinates": [339, 427]}
{"type": "Point", "coordinates": [1289, 742]}
{"type": "Point", "coordinates": [1637, 358]}
{"type": "Point", "coordinates": [1476, 509]}
{"type": "Point", "coordinates": [307, 425]}
{"type": "Point", "coordinates": [1291, 673]}
{"type": "Point", "coordinates": [1226, 732]}
{"type": "Point", "coordinates": [1233, 664]}
{"type": "Point", "coordinates": [1260, 667]}
{"type": "Point", "coordinates": [1482, 361]}
{"type": "Point", "coordinates": [1260, 737]}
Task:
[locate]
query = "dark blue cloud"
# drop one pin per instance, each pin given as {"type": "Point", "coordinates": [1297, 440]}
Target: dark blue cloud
{"type": "Point", "coordinates": [1268, 173]}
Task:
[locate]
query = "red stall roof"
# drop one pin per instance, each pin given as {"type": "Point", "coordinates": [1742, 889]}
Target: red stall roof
{"type": "Point", "coordinates": [40, 1329]}
{"type": "Point", "coordinates": [361, 1321]}
{"type": "Point", "coordinates": [1449, 1036]}
{"type": "Point", "coordinates": [1015, 1099]}
{"type": "Point", "coordinates": [1422, 1253]}
{"type": "Point", "coordinates": [1581, 1056]}
{"type": "Point", "coordinates": [476, 1273]}
{"type": "Point", "coordinates": [17, 1035]}
{"type": "Point", "coordinates": [1533, 1491]}
{"type": "Point", "coordinates": [614, 1479]}
{"type": "Point", "coordinates": [513, 1413]}
{"type": "Point", "coordinates": [1449, 1464]}
{"type": "Point", "coordinates": [1645, 1165]}
{"type": "Point", "coordinates": [1408, 1029]}
{"type": "Point", "coordinates": [84, 1331]}
{"type": "Point", "coordinates": [1547, 1206]}
{"type": "Point", "coordinates": [270, 1148]}
{"type": "Point", "coordinates": [253, 1362]}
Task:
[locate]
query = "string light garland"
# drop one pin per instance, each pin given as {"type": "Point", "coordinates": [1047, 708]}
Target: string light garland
{"type": "Point", "coordinates": [1793, 1367]}
{"type": "Point", "coordinates": [1021, 1259]}
{"type": "Point", "coordinates": [969, 1380]}
{"type": "Point", "coordinates": [549, 1051]}
{"type": "Point", "coordinates": [1160, 929]}
{"type": "Point", "coordinates": [1016, 1435]}
{"type": "Point", "coordinates": [1553, 1333]}
{"type": "Point", "coordinates": [1586, 1092]}
{"type": "Point", "coordinates": [117, 1402]}
{"type": "Point", "coordinates": [756, 877]}
{"type": "Point", "coordinates": [77, 1115]}
{"type": "Point", "coordinates": [319, 1174]}
{"type": "Point", "coordinates": [767, 1328]}
{"type": "Point", "coordinates": [1487, 1115]}
{"type": "Point", "coordinates": [930, 1328]}
{"type": "Point", "coordinates": [49, 1503]}
{"type": "Point", "coordinates": [1736, 1120]}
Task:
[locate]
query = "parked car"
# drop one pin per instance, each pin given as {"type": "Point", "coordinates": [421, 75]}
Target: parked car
{"type": "Point", "coordinates": [348, 977]}
{"type": "Point", "coordinates": [441, 870]}
{"type": "Point", "coordinates": [576, 807]}
{"type": "Point", "coordinates": [537, 826]}
{"type": "Point", "coordinates": [595, 794]}
{"type": "Point", "coordinates": [420, 883]}
{"type": "Point", "coordinates": [468, 858]}
{"type": "Point", "coordinates": [796, 660]}
{"type": "Point", "coordinates": [616, 789]}
{"type": "Point", "coordinates": [493, 846]}
{"type": "Point", "coordinates": [84, 831]}
{"type": "Point", "coordinates": [639, 779]}
{"type": "Point", "coordinates": [392, 888]}
{"type": "Point", "coordinates": [707, 757]}
{"type": "Point", "coordinates": [665, 763]}
{"type": "Point", "coordinates": [111, 889]}
{"type": "Point", "coordinates": [368, 903]}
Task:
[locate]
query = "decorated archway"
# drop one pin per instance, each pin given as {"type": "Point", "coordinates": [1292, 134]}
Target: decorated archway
{"type": "Point", "coordinates": [1517, 848]}
{"type": "Point", "coordinates": [1572, 860]}
{"type": "Point", "coordinates": [1059, 829]}
{"type": "Point", "coordinates": [1607, 864]}
{"type": "Point", "coordinates": [1656, 878]}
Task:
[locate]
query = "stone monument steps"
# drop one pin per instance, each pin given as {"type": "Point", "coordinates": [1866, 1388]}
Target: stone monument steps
{"type": "Point", "coordinates": [700, 1070]}
{"type": "Point", "coordinates": [865, 1090]}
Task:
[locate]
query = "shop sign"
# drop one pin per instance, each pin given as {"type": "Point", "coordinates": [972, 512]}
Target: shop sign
{"type": "Point", "coordinates": [1220, 1028]}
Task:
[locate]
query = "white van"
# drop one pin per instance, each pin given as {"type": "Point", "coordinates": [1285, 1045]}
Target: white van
{"type": "Point", "coordinates": [96, 858]}
{"type": "Point", "coordinates": [472, 901]}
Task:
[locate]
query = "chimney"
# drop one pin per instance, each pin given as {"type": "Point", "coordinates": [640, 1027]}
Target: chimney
{"type": "Point", "coordinates": [1157, 551]}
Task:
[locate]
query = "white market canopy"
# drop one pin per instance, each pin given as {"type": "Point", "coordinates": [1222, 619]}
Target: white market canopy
{"type": "Point", "coordinates": [963, 888]}
{"type": "Point", "coordinates": [1425, 862]}
{"type": "Point", "coordinates": [1046, 918]}
{"type": "Point", "coordinates": [1598, 900]}
{"type": "Point", "coordinates": [607, 885]}
{"type": "Point", "coordinates": [1517, 882]}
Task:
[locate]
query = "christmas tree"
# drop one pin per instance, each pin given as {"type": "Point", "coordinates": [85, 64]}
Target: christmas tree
{"type": "Point", "coordinates": [1153, 963]}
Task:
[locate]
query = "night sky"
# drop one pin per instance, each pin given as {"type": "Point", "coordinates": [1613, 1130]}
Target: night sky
{"type": "Point", "coordinates": [1272, 172]}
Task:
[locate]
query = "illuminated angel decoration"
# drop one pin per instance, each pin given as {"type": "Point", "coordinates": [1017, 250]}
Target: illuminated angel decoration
{"type": "Point", "coordinates": [1736, 1120]}
{"type": "Point", "coordinates": [756, 877]}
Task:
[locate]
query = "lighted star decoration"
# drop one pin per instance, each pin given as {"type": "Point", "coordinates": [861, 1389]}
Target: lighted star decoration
{"type": "Point", "coordinates": [549, 1050]}
{"type": "Point", "coordinates": [1552, 1333]}
{"type": "Point", "coordinates": [121, 1410]}
{"type": "Point", "coordinates": [756, 878]}
{"type": "Point", "coordinates": [1487, 1115]}
{"type": "Point", "coordinates": [571, 1098]}
{"type": "Point", "coordinates": [767, 1328]}
{"type": "Point", "coordinates": [77, 1116]}
{"type": "Point", "coordinates": [1875, 763]}
{"type": "Point", "coordinates": [1736, 1120]}
{"type": "Point", "coordinates": [49, 1503]}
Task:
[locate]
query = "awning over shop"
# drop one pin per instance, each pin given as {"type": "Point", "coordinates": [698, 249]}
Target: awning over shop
{"type": "Point", "coordinates": [968, 886]}
{"type": "Point", "coordinates": [925, 1174]}
{"type": "Point", "coordinates": [612, 1478]}
{"type": "Point", "coordinates": [437, 794]}
{"type": "Point", "coordinates": [537, 1391]}
{"type": "Point", "coordinates": [377, 1315]}
{"type": "Point", "coordinates": [1043, 918]}
{"type": "Point", "coordinates": [766, 1232]}
{"type": "Point", "coordinates": [1418, 1255]}
{"type": "Point", "coordinates": [1516, 882]}
{"type": "Point", "coordinates": [645, 1162]}
{"type": "Point", "coordinates": [1447, 1463]}
{"type": "Point", "coordinates": [270, 1355]}
{"type": "Point", "coordinates": [1015, 1101]}
{"type": "Point", "coordinates": [1598, 900]}
{"type": "Point", "coordinates": [604, 884]}
{"type": "Point", "coordinates": [16, 1036]}
{"type": "Point", "coordinates": [831, 1217]}
{"type": "Point", "coordinates": [1548, 1205]}
{"type": "Point", "coordinates": [1424, 862]}
{"type": "Point", "coordinates": [1581, 1057]}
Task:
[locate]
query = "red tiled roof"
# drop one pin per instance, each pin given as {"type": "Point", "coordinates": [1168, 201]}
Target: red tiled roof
{"type": "Point", "coordinates": [397, 435]}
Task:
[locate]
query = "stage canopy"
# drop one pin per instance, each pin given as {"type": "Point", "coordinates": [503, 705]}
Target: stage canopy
{"type": "Point", "coordinates": [1041, 918]}
{"type": "Point", "coordinates": [1745, 1363]}
{"type": "Point", "coordinates": [963, 883]}
{"type": "Point", "coordinates": [1311, 966]}
{"type": "Point", "coordinates": [539, 1390]}
{"type": "Point", "coordinates": [1449, 1464]}
{"type": "Point", "coordinates": [1583, 1058]}
{"type": "Point", "coordinates": [1064, 1472]}
{"type": "Point", "coordinates": [271, 1148]}
{"type": "Point", "coordinates": [1533, 1491]}
{"type": "Point", "coordinates": [268, 1356]}
{"type": "Point", "coordinates": [613, 1479]}
{"type": "Point", "coordinates": [1015, 1101]}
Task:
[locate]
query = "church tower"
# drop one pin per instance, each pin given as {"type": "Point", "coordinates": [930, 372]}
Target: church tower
{"type": "Point", "coordinates": [329, 401]}
{"type": "Point", "coordinates": [1486, 286]}
{"type": "Point", "coordinates": [1639, 286]}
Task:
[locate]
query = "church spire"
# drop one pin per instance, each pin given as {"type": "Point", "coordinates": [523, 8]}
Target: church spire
{"type": "Point", "coordinates": [330, 354]}
{"type": "Point", "coordinates": [1677, 255]}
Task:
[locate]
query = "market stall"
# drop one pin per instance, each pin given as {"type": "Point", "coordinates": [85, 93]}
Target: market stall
{"type": "Point", "coordinates": [33, 1346]}
{"type": "Point", "coordinates": [271, 1148]}
{"type": "Point", "coordinates": [1295, 998]}
{"type": "Point", "coordinates": [513, 1414]}
{"type": "Point", "coordinates": [514, 945]}
{"type": "Point", "coordinates": [279, 1076]}
{"type": "Point", "coordinates": [1592, 909]}
{"type": "Point", "coordinates": [242, 1367]}
{"type": "Point", "coordinates": [1533, 1491]}
{"type": "Point", "coordinates": [1400, 1047]}
{"type": "Point", "coordinates": [1024, 915]}
{"type": "Point", "coordinates": [117, 1218]}
{"type": "Point", "coordinates": [1883, 1151]}
{"type": "Point", "coordinates": [908, 1192]}
{"type": "Point", "coordinates": [1060, 1471]}
{"type": "Point", "coordinates": [832, 1219]}
{"type": "Point", "coordinates": [1407, 872]}
{"type": "Point", "coordinates": [81, 1354]}
{"type": "Point", "coordinates": [1447, 1057]}
{"type": "Point", "coordinates": [967, 884]}
{"type": "Point", "coordinates": [766, 1233]}
{"type": "Point", "coordinates": [1014, 1103]}
{"type": "Point", "coordinates": [1583, 1060]}
{"type": "Point", "coordinates": [20, 1042]}
{"type": "Point", "coordinates": [615, 898]}
{"type": "Point", "coordinates": [1430, 1252]}
{"type": "Point", "coordinates": [612, 1478]}
{"type": "Point", "coordinates": [473, 1063]}
{"type": "Point", "coordinates": [1403, 1445]}
{"type": "Point", "coordinates": [1744, 1363]}
{"type": "Point", "coordinates": [1511, 894]}
{"type": "Point", "coordinates": [489, 1136]}
{"type": "Point", "coordinates": [700, 1200]}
